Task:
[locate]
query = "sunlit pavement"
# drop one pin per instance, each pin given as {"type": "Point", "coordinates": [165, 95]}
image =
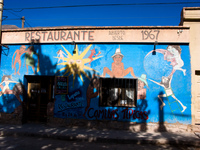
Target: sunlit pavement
{"type": "Point", "coordinates": [34, 143]}
{"type": "Point", "coordinates": [37, 143]}
{"type": "Point", "coordinates": [100, 136]}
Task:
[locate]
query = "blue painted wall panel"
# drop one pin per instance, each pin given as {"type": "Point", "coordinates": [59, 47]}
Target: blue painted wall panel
{"type": "Point", "coordinates": [167, 72]}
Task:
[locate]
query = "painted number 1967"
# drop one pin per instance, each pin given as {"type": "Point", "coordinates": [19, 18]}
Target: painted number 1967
{"type": "Point", "coordinates": [152, 34]}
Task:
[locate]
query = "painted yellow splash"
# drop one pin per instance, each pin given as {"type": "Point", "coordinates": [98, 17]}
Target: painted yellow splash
{"type": "Point", "coordinates": [75, 64]}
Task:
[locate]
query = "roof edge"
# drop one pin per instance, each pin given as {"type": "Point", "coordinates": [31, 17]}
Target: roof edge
{"type": "Point", "coordinates": [93, 28]}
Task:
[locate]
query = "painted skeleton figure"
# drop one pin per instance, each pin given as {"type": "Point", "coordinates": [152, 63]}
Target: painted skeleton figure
{"type": "Point", "coordinates": [173, 55]}
{"type": "Point", "coordinates": [166, 84]}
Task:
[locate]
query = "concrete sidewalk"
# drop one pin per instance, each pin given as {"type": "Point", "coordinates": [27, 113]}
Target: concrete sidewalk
{"type": "Point", "coordinates": [108, 136]}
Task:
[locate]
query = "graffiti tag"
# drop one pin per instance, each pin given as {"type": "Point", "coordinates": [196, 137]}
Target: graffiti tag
{"type": "Point", "coordinates": [71, 115]}
{"type": "Point", "coordinates": [130, 113]}
{"type": "Point", "coordinates": [72, 96]}
{"type": "Point", "coordinates": [114, 114]}
{"type": "Point", "coordinates": [65, 106]}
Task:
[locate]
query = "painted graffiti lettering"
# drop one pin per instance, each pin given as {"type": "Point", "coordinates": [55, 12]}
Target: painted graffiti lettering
{"type": "Point", "coordinates": [103, 114]}
{"type": "Point", "coordinates": [73, 95]}
{"type": "Point", "coordinates": [61, 79]}
{"type": "Point", "coordinates": [152, 34]}
{"type": "Point", "coordinates": [62, 83]}
{"type": "Point", "coordinates": [59, 35]}
{"type": "Point", "coordinates": [71, 114]}
{"type": "Point", "coordinates": [63, 98]}
{"type": "Point", "coordinates": [65, 106]}
{"type": "Point", "coordinates": [61, 88]}
{"type": "Point", "coordinates": [114, 114]}
{"type": "Point", "coordinates": [129, 113]}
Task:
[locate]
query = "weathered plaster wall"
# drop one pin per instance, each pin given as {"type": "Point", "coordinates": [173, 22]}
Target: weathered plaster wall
{"type": "Point", "coordinates": [191, 18]}
{"type": "Point", "coordinates": [97, 35]}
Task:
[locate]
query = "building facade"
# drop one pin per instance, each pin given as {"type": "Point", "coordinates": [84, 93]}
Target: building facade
{"type": "Point", "coordinates": [98, 76]}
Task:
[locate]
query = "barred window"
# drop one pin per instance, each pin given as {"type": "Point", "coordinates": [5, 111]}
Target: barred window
{"type": "Point", "coordinates": [118, 92]}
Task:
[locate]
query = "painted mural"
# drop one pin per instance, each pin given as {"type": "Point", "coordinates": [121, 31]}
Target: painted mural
{"type": "Point", "coordinates": [11, 92]}
{"type": "Point", "coordinates": [164, 79]}
{"type": "Point", "coordinates": [117, 69]}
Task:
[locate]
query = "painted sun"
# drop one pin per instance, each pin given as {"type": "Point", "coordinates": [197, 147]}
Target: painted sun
{"type": "Point", "coordinates": [75, 64]}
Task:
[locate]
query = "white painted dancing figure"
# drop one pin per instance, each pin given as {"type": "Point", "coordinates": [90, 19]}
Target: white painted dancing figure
{"type": "Point", "coordinates": [175, 59]}
{"type": "Point", "coordinates": [166, 84]}
{"type": "Point", "coordinates": [61, 55]}
{"type": "Point", "coordinates": [173, 55]}
{"type": "Point", "coordinates": [6, 81]}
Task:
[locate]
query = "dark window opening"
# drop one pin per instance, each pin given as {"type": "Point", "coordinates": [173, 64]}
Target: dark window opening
{"type": "Point", "coordinates": [118, 92]}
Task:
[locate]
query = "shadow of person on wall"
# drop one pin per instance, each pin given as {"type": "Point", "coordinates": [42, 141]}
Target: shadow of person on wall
{"type": "Point", "coordinates": [43, 72]}
{"type": "Point", "coordinates": [143, 113]}
{"type": "Point", "coordinates": [46, 67]}
{"type": "Point", "coordinates": [161, 127]}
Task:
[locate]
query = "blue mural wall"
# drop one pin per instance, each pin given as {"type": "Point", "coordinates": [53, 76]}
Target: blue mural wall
{"type": "Point", "coordinates": [166, 73]}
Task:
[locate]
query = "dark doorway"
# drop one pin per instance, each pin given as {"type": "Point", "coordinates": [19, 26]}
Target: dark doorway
{"type": "Point", "coordinates": [39, 93]}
